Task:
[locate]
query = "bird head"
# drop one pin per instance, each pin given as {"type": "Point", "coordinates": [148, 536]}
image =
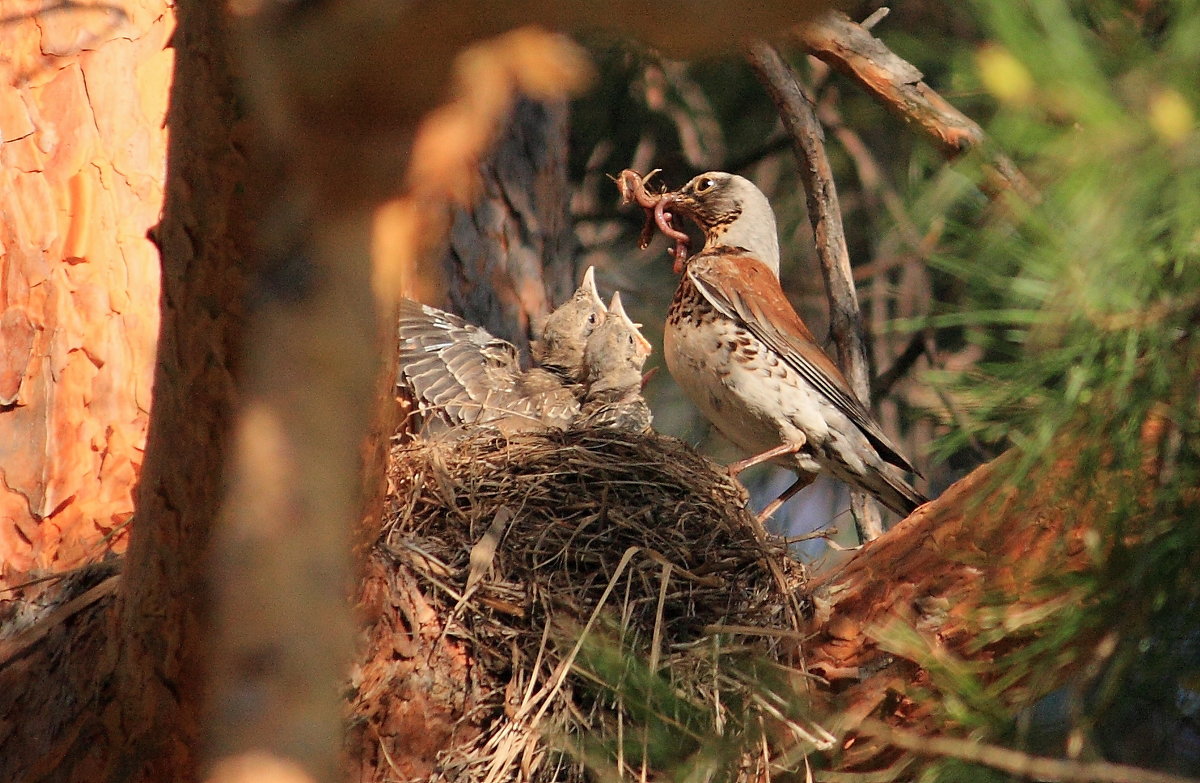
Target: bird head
{"type": "Point", "coordinates": [731, 212]}
{"type": "Point", "coordinates": [565, 332]}
{"type": "Point", "coordinates": [616, 351]}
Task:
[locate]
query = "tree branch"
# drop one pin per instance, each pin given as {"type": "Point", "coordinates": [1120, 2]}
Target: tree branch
{"type": "Point", "coordinates": [882, 383]}
{"type": "Point", "coordinates": [852, 51]}
{"type": "Point", "coordinates": [1014, 762]}
{"type": "Point", "coordinates": [799, 117]}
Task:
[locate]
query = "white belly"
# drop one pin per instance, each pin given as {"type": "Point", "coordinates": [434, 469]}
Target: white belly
{"type": "Point", "coordinates": [757, 404]}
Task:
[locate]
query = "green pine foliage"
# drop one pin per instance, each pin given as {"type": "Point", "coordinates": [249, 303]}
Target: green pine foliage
{"type": "Point", "coordinates": [1086, 304]}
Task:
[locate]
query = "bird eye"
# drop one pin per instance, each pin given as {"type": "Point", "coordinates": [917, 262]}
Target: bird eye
{"type": "Point", "coordinates": [631, 339]}
{"type": "Point", "coordinates": [705, 185]}
{"type": "Point", "coordinates": [591, 319]}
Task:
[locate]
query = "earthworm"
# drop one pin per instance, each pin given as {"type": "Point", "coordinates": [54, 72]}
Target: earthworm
{"type": "Point", "coordinates": [633, 191]}
{"type": "Point", "coordinates": [663, 219]}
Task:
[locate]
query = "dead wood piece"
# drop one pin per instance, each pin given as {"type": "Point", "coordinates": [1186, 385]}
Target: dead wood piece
{"type": "Point", "coordinates": [65, 666]}
{"type": "Point", "coordinates": [895, 83]}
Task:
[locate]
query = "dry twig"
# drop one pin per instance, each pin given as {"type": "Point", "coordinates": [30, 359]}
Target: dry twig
{"type": "Point", "coordinates": [798, 114]}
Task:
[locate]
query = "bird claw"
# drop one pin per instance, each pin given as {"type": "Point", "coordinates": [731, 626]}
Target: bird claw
{"type": "Point", "coordinates": [632, 186]}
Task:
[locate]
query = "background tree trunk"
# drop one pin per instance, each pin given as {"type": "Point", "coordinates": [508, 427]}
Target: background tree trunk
{"type": "Point", "coordinates": [121, 679]}
{"type": "Point", "coordinates": [510, 255]}
{"type": "Point", "coordinates": [204, 240]}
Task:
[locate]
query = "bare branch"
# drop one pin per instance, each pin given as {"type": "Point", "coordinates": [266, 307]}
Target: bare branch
{"type": "Point", "coordinates": [851, 50]}
{"type": "Point", "coordinates": [799, 117]}
{"type": "Point", "coordinates": [882, 383]}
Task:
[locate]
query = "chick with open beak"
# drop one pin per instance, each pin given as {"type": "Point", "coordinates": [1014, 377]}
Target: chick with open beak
{"type": "Point", "coordinates": [614, 357]}
{"type": "Point", "coordinates": [565, 332]}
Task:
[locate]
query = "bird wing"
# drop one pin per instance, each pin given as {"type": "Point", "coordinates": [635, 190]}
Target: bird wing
{"type": "Point", "coordinates": [743, 288]}
{"type": "Point", "coordinates": [459, 372]}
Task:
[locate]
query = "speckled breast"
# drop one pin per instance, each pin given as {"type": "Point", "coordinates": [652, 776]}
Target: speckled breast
{"type": "Point", "coordinates": [713, 342]}
{"type": "Point", "coordinates": [735, 382]}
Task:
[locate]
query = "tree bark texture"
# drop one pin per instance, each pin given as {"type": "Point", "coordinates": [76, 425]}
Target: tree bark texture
{"type": "Point", "coordinates": [510, 255]}
{"type": "Point", "coordinates": [204, 240]}
{"type": "Point", "coordinates": [957, 582]}
{"type": "Point", "coordinates": [121, 673]}
{"type": "Point", "coordinates": [82, 145]}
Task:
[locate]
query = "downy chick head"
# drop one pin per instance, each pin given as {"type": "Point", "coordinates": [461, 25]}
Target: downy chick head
{"type": "Point", "coordinates": [565, 332]}
{"type": "Point", "coordinates": [615, 353]}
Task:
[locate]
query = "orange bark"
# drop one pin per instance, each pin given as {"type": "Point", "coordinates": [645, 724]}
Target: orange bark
{"type": "Point", "coordinates": [944, 580]}
{"type": "Point", "coordinates": [81, 181]}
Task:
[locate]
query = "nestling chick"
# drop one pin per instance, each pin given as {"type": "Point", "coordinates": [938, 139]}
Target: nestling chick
{"type": "Point", "coordinates": [459, 374]}
{"type": "Point", "coordinates": [613, 358]}
{"type": "Point", "coordinates": [564, 333]}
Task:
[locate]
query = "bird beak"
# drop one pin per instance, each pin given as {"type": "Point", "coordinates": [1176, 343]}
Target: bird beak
{"type": "Point", "coordinates": [589, 285]}
{"type": "Point", "coordinates": [618, 310]}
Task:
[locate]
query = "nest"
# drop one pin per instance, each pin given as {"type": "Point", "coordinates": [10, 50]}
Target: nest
{"type": "Point", "coordinates": [597, 577]}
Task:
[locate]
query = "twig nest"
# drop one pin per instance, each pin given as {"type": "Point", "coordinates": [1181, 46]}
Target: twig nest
{"type": "Point", "coordinates": [527, 545]}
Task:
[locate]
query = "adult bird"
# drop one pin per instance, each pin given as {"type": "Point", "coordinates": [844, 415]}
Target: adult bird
{"type": "Point", "coordinates": [738, 349]}
{"type": "Point", "coordinates": [459, 374]}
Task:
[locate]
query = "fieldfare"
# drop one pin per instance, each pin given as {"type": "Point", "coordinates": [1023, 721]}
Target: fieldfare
{"type": "Point", "coordinates": [459, 374]}
{"type": "Point", "coordinates": [613, 359]}
{"type": "Point", "coordinates": [738, 349]}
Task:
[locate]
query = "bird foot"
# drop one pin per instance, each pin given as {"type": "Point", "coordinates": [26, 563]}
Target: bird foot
{"type": "Point", "coordinates": [801, 482]}
{"type": "Point", "coordinates": [786, 448]}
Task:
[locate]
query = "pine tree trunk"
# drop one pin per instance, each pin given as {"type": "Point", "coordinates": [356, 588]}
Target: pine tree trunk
{"type": "Point", "coordinates": [511, 254]}
{"type": "Point", "coordinates": [82, 151]}
{"type": "Point", "coordinates": [111, 691]}
{"type": "Point", "coordinates": [203, 239]}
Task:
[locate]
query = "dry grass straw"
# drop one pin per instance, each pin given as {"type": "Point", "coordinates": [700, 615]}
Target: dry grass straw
{"type": "Point", "coordinates": [553, 553]}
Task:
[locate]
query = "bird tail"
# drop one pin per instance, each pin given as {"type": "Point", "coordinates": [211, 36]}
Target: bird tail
{"type": "Point", "coordinates": [898, 495]}
{"type": "Point", "coordinates": [886, 483]}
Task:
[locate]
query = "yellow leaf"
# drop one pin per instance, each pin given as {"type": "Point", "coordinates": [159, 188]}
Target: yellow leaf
{"type": "Point", "coordinates": [1171, 116]}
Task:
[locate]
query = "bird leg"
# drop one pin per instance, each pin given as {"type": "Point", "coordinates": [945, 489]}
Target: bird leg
{"type": "Point", "coordinates": [802, 481]}
{"type": "Point", "coordinates": [770, 454]}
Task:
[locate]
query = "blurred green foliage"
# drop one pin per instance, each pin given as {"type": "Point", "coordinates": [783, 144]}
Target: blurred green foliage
{"type": "Point", "coordinates": [1085, 306]}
